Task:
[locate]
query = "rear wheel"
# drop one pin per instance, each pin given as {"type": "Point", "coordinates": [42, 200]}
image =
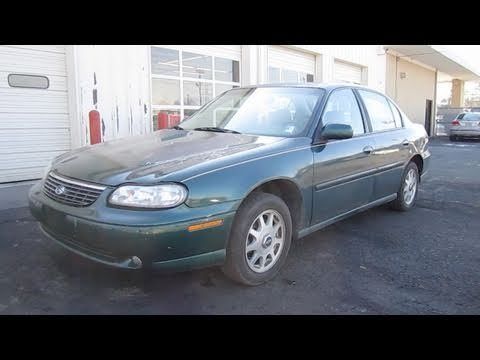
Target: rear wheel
{"type": "Point", "coordinates": [453, 138]}
{"type": "Point", "coordinates": [407, 194]}
{"type": "Point", "coordinates": [260, 239]}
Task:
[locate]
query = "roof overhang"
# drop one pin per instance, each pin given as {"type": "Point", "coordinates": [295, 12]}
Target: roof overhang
{"type": "Point", "coordinates": [436, 57]}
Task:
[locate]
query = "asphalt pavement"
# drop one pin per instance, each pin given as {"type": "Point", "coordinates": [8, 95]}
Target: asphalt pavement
{"type": "Point", "coordinates": [426, 261]}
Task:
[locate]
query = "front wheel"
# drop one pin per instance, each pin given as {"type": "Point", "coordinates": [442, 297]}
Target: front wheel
{"type": "Point", "coordinates": [407, 194]}
{"type": "Point", "coordinates": [260, 239]}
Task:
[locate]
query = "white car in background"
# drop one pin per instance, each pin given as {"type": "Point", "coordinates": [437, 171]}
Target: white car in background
{"type": "Point", "coordinates": [466, 124]}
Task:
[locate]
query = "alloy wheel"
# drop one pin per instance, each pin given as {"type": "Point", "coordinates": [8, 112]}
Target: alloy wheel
{"type": "Point", "coordinates": [265, 240]}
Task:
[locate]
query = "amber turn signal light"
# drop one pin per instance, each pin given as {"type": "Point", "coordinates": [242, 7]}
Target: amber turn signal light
{"type": "Point", "coordinates": [205, 225]}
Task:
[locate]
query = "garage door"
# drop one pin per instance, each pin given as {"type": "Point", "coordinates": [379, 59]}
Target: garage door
{"type": "Point", "coordinates": [345, 72]}
{"type": "Point", "coordinates": [34, 124]}
{"type": "Point", "coordinates": [288, 65]}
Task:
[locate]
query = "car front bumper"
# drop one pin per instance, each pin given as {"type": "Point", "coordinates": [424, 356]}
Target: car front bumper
{"type": "Point", "coordinates": [131, 241]}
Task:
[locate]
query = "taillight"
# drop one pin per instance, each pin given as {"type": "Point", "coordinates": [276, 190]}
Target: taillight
{"type": "Point", "coordinates": [455, 122]}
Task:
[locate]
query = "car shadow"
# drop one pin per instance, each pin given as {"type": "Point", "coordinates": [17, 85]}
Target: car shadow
{"type": "Point", "coordinates": [467, 140]}
{"type": "Point", "coordinates": [99, 276]}
{"type": "Point", "coordinates": [96, 275]}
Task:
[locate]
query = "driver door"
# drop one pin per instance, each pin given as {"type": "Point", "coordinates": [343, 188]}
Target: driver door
{"type": "Point", "coordinates": [343, 169]}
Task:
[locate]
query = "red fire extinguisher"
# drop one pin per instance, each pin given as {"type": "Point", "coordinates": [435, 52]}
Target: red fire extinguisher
{"type": "Point", "coordinates": [95, 130]}
{"type": "Point", "coordinates": [165, 120]}
{"type": "Point", "coordinates": [162, 120]}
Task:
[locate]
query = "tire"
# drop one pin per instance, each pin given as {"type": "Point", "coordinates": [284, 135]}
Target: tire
{"type": "Point", "coordinates": [239, 265]}
{"type": "Point", "coordinates": [404, 201]}
{"type": "Point", "coordinates": [453, 138]}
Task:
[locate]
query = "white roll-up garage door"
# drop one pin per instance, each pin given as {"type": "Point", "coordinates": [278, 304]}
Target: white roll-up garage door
{"type": "Point", "coordinates": [34, 123]}
{"type": "Point", "coordinates": [288, 65]}
{"type": "Point", "coordinates": [345, 72]}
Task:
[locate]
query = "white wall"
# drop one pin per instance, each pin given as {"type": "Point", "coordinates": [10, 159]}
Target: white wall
{"type": "Point", "coordinates": [123, 81]}
{"type": "Point", "coordinates": [122, 85]}
{"type": "Point", "coordinates": [412, 91]}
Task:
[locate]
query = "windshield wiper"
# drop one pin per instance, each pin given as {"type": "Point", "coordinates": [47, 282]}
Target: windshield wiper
{"type": "Point", "coordinates": [176, 127]}
{"type": "Point", "coordinates": [216, 129]}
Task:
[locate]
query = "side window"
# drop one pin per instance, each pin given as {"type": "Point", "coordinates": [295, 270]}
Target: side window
{"type": "Point", "coordinates": [342, 108]}
{"type": "Point", "coordinates": [378, 110]}
{"type": "Point", "coordinates": [396, 114]}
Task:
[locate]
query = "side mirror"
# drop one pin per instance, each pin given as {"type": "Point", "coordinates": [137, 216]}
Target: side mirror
{"type": "Point", "coordinates": [336, 132]}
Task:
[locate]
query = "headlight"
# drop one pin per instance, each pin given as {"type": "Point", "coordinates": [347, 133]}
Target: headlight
{"type": "Point", "coordinates": [156, 196]}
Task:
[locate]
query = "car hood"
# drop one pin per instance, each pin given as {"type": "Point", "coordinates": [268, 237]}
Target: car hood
{"type": "Point", "coordinates": [165, 155]}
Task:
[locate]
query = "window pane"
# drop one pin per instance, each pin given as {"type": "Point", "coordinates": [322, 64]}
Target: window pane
{"type": "Point", "coordinates": [164, 119]}
{"type": "Point", "coordinates": [196, 93]}
{"type": "Point", "coordinates": [165, 92]}
{"type": "Point", "coordinates": [28, 81]}
{"type": "Point", "coordinates": [165, 62]}
{"type": "Point", "coordinates": [273, 74]}
{"type": "Point", "coordinates": [197, 66]}
{"type": "Point", "coordinates": [379, 111]}
{"type": "Point", "coordinates": [227, 70]}
{"type": "Point", "coordinates": [342, 108]}
{"type": "Point", "coordinates": [309, 77]}
{"type": "Point", "coordinates": [396, 115]}
{"type": "Point", "coordinates": [188, 112]}
{"type": "Point", "coordinates": [221, 88]}
{"type": "Point", "coordinates": [471, 117]}
{"type": "Point", "coordinates": [273, 111]}
{"type": "Point", "coordinates": [289, 76]}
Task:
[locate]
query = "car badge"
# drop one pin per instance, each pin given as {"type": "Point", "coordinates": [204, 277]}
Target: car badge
{"type": "Point", "coordinates": [59, 190]}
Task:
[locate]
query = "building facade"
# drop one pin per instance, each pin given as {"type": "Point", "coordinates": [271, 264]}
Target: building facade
{"type": "Point", "coordinates": [56, 98]}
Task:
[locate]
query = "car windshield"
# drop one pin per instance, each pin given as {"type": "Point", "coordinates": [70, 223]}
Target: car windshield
{"type": "Point", "coordinates": [269, 111]}
{"type": "Point", "coordinates": [471, 117]}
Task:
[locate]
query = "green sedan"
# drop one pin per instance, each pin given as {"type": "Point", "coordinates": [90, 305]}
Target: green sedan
{"type": "Point", "coordinates": [234, 184]}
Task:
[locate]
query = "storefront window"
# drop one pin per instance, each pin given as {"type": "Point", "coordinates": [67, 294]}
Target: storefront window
{"type": "Point", "coordinates": [196, 93]}
{"type": "Point", "coordinates": [165, 62]}
{"type": "Point", "coordinates": [183, 81]}
{"type": "Point", "coordinates": [165, 92]}
{"type": "Point", "coordinates": [221, 88]}
{"type": "Point", "coordinates": [197, 66]}
{"type": "Point", "coordinates": [227, 70]}
{"type": "Point", "coordinates": [188, 112]}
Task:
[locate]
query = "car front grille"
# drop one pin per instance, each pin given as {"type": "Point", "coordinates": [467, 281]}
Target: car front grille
{"type": "Point", "coordinates": [71, 192]}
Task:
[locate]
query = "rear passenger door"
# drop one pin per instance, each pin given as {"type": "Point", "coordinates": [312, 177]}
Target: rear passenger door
{"type": "Point", "coordinates": [391, 150]}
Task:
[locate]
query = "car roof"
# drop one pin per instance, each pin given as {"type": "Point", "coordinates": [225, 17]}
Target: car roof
{"type": "Point", "coordinates": [326, 86]}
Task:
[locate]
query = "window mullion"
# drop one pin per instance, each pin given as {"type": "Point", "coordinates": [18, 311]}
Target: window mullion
{"type": "Point", "coordinates": [213, 77]}
{"type": "Point", "coordinates": [180, 60]}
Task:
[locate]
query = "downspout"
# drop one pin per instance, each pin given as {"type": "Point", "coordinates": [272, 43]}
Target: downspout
{"type": "Point", "coordinates": [396, 77]}
{"type": "Point", "coordinates": [433, 127]}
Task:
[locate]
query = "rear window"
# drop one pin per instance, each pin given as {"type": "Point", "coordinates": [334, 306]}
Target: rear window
{"type": "Point", "coordinates": [471, 117]}
{"type": "Point", "coordinates": [396, 114]}
{"type": "Point", "coordinates": [460, 116]}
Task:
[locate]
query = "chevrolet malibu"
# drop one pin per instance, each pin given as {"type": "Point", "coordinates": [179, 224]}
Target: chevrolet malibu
{"type": "Point", "coordinates": [234, 184]}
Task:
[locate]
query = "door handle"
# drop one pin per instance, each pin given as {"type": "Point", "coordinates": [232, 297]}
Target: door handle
{"type": "Point", "coordinates": [368, 150]}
